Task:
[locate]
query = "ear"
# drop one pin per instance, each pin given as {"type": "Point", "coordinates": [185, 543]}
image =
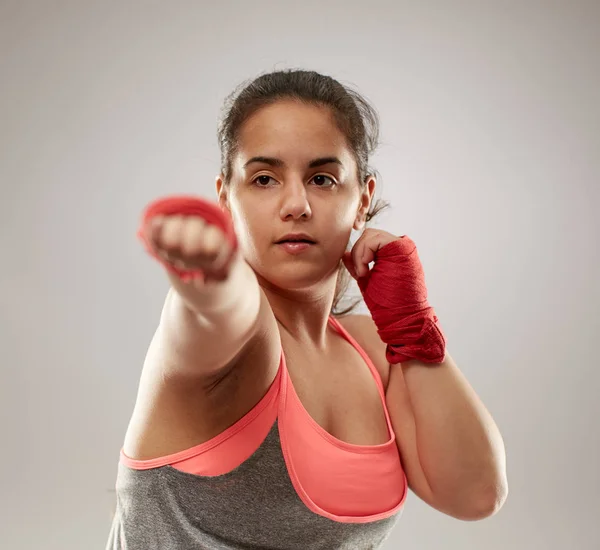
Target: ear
{"type": "Point", "coordinates": [221, 192]}
{"type": "Point", "coordinates": [366, 196]}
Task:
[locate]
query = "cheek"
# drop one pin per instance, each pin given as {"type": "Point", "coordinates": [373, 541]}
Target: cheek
{"type": "Point", "coordinates": [339, 229]}
{"type": "Point", "coordinates": [249, 227]}
{"type": "Point", "coordinates": [240, 213]}
{"type": "Point", "coordinates": [344, 216]}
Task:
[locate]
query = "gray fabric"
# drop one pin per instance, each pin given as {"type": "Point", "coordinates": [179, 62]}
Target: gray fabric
{"type": "Point", "coordinates": [254, 506]}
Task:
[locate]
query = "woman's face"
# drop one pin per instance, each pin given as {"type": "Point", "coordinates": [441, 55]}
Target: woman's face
{"type": "Point", "coordinates": [294, 173]}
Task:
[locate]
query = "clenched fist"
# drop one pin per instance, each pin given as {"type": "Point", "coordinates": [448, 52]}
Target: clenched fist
{"type": "Point", "coordinates": [192, 237]}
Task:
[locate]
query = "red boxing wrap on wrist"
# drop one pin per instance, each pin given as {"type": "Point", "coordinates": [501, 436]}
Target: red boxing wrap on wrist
{"type": "Point", "coordinates": [184, 205]}
{"type": "Point", "coordinates": [394, 291]}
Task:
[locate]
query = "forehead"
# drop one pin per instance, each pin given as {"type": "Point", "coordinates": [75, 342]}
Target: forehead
{"type": "Point", "coordinates": [293, 129]}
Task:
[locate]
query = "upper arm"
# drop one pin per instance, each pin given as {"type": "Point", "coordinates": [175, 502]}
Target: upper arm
{"type": "Point", "coordinates": [196, 381]}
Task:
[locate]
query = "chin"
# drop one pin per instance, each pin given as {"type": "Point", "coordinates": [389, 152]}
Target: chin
{"type": "Point", "coordinates": [294, 277]}
{"type": "Point", "coordinates": [295, 281]}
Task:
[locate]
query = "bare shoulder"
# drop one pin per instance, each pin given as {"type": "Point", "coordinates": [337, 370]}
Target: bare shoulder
{"type": "Point", "coordinates": [363, 329]}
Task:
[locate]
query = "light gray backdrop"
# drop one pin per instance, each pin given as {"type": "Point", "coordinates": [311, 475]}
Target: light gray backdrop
{"type": "Point", "coordinates": [490, 157]}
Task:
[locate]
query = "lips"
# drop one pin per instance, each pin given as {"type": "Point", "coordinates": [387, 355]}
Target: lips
{"type": "Point", "coordinates": [295, 247]}
{"type": "Point", "coordinates": [296, 238]}
{"type": "Point", "coordinates": [296, 241]}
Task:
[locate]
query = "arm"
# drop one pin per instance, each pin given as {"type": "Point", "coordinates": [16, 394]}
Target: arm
{"type": "Point", "coordinates": [452, 450]}
{"type": "Point", "coordinates": [205, 321]}
{"type": "Point", "coordinates": [205, 328]}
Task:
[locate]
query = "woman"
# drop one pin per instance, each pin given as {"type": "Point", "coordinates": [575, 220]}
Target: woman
{"type": "Point", "coordinates": [265, 419]}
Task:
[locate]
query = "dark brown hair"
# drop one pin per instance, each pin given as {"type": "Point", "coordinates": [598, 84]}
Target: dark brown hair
{"type": "Point", "coordinates": [353, 114]}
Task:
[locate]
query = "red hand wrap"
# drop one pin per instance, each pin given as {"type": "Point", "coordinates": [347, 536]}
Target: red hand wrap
{"type": "Point", "coordinates": [183, 205]}
{"type": "Point", "coordinates": [395, 293]}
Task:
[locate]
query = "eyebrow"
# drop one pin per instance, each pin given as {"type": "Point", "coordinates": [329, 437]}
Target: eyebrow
{"type": "Point", "coordinates": [278, 163]}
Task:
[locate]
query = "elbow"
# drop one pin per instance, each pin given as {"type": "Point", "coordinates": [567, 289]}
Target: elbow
{"type": "Point", "coordinates": [486, 503]}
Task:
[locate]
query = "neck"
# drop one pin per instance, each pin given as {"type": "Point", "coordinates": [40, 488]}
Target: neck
{"type": "Point", "coordinates": [303, 314]}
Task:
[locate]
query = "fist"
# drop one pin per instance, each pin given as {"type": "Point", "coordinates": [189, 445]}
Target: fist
{"type": "Point", "coordinates": [365, 249]}
{"type": "Point", "coordinates": [191, 245]}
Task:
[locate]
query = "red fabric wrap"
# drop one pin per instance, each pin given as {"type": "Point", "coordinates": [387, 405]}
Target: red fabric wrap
{"type": "Point", "coordinates": [184, 205]}
{"type": "Point", "coordinates": [395, 293]}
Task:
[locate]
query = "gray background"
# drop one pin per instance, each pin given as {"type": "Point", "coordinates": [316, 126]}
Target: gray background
{"type": "Point", "coordinates": [490, 157]}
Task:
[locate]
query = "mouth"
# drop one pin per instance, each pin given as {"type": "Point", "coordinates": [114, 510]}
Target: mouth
{"type": "Point", "coordinates": [307, 241]}
{"type": "Point", "coordinates": [296, 238]}
{"type": "Point", "coordinates": [295, 246]}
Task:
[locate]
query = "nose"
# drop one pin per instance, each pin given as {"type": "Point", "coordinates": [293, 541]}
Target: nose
{"type": "Point", "coordinates": [294, 201]}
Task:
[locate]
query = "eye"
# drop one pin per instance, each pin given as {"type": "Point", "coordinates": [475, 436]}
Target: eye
{"type": "Point", "coordinates": [262, 181]}
{"type": "Point", "coordinates": [318, 179]}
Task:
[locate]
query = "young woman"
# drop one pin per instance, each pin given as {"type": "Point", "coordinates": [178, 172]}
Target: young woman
{"type": "Point", "coordinates": [265, 418]}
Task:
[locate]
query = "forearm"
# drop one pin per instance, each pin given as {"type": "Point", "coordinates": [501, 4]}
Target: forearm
{"type": "Point", "coordinates": [451, 449]}
{"type": "Point", "coordinates": [459, 446]}
{"type": "Point", "coordinates": [214, 301]}
{"type": "Point", "coordinates": [207, 326]}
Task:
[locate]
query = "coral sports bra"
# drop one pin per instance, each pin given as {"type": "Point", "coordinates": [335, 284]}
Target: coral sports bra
{"type": "Point", "coordinates": [300, 487]}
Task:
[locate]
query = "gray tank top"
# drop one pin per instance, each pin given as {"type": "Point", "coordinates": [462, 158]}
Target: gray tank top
{"type": "Point", "coordinates": [254, 506]}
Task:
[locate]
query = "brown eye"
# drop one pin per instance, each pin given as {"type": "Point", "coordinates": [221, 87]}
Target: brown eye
{"type": "Point", "coordinates": [321, 181]}
{"type": "Point", "coordinates": [262, 181]}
